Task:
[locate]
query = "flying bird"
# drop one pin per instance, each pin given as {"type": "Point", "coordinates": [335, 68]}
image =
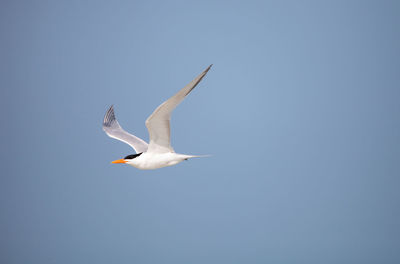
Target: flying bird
{"type": "Point", "coordinates": [159, 152]}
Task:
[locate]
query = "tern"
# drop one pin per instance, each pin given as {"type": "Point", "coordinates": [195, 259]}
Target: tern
{"type": "Point", "coordinates": [158, 153]}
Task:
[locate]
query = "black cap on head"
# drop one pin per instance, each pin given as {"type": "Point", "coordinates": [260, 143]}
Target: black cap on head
{"type": "Point", "coordinates": [132, 156]}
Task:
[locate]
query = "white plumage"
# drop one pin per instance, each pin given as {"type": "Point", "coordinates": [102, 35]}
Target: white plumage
{"type": "Point", "coordinates": [159, 152]}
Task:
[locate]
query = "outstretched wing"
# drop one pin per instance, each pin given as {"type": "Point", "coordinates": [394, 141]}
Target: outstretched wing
{"type": "Point", "coordinates": [158, 124]}
{"type": "Point", "coordinates": [114, 130]}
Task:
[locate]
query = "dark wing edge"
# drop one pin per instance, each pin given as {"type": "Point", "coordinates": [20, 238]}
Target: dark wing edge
{"type": "Point", "coordinates": [109, 118]}
{"type": "Point", "coordinates": [114, 130]}
{"type": "Point", "coordinates": [158, 122]}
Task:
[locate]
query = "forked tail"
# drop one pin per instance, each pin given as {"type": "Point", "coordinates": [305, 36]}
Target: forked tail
{"type": "Point", "coordinates": [186, 157]}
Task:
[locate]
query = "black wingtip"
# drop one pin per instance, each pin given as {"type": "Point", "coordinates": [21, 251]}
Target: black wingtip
{"type": "Point", "coordinates": [109, 117]}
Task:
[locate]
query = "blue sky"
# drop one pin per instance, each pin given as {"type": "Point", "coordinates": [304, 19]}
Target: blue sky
{"type": "Point", "coordinates": [300, 113]}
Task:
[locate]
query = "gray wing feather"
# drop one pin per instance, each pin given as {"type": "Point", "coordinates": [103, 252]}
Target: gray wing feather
{"type": "Point", "coordinates": [158, 124]}
{"type": "Point", "coordinates": [114, 130]}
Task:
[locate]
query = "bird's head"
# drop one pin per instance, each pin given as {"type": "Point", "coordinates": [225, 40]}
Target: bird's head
{"type": "Point", "coordinates": [127, 158]}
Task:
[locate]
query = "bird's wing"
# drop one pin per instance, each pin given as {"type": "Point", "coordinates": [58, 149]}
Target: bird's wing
{"type": "Point", "coordinates": [114, 130]}
{"type": "Point", "coordinates": [158, 122]}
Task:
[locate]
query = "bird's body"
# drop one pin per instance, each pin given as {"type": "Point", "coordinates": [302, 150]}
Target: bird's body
{"type": "Point", "coordinates": [151, 161]}
{"type": "Point", "coordinates": [158, 153]}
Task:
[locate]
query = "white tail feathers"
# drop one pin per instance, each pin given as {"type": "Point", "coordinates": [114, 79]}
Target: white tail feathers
{"type": "Point", "coordinates": [200, 156]}
{"type": "Point", "coordinates": [186, 157]}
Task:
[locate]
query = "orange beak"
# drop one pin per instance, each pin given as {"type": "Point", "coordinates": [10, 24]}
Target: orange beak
{"type": "Point", "coordinates": [119, 161]}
